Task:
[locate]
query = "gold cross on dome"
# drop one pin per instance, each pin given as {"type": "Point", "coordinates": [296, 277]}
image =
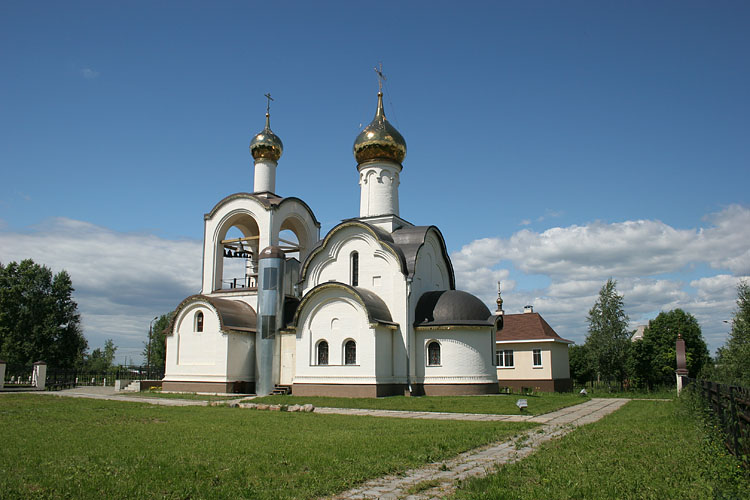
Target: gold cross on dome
{"type": "Point", "coordinates": [268, 102]}
{"type": "Point", "coordinates": [381, 77]}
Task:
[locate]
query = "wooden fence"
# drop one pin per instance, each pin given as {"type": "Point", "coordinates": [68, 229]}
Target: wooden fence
{"type": "Point", "coordinates": [731, 406]}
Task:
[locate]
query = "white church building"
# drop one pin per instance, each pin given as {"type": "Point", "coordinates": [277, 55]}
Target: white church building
{"type": "Point", "coordinates": [370, 309]}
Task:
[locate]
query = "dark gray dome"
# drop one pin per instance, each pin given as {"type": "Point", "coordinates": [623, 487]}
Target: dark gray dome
{"type": "Point", "coordinates": [451, 307]}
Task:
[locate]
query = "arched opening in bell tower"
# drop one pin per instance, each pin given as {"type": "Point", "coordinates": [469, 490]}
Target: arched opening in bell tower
{"type": "Point", "coordinates": [237, 254]}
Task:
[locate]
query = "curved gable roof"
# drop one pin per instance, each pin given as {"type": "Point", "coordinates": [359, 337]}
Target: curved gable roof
{"type": "Point", "coordinates": [377, 310]}
{"type": "Point", "coordinates": [270, 202]}
{"type": "Point", "coordinates": [411, 239]}
{"type": "Point", "coordinates": [384, 238]}
{"type": "Point", "coordinates": [234, 315]}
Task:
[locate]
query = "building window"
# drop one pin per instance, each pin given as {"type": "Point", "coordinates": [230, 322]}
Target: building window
{"type": "Point", "coordinates": [505, 359]}
{"type": "Point", "coordinates": [199, 321]}
{"type": "Point", "coordinates": [268, 328]}
{"type": "Point", "coordinates": [355, 268]}
{"type": "Point", "coordinates": [322, 352]}
{"type": "Point", "coordinates": [433, 354]}
{"type": "Point", "coordinates": [537, 353]}
{"type": "Point", "coordinates": [270, 277]}
{"type": "Point", "coordinates": [350, 353]}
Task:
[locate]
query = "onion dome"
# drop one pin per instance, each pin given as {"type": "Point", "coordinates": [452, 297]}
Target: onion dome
{"type": "Point", "coordinates": [266, 144]}
{"type": "Point", "coordinates": [379, 140]}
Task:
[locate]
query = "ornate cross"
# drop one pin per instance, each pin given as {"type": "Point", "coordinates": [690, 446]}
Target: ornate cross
{"type": "Point", "coordinates": [268, 102]}
{"type": "Point", "coordinates": [381, 77]}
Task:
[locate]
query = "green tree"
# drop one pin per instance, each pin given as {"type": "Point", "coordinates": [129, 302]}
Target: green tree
{"type": "Point", "coordinates": [733, 358]}
{"type": "Point", "coordinates": [39, 319]}
{"type": "Point", "coordinates": [608, 339]}
{"type": "Point", "coordinates": [639, 365]}
{"type": "Point", "coordinates": [158, 343]}
{"type": "Point", "coordinates": [660, 337]}
{"type": "Point", "coordinates": [582, 370]}
{"type": "Point", "coordinates": [100, 361]}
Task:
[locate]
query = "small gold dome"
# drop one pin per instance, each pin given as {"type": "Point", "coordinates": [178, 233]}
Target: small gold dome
{"type": "Point", "coordinates": [379, 140]}
{"type": "Point", "coordinates": [266, 144]}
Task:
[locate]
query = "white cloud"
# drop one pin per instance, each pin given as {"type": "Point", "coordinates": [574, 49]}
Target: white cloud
{"type": "Point", "coordinates": [89, 73]}
{"type": "Point", "coordinates": [121, 280]}
{"type": "Point", "coordinates": [578, 259]}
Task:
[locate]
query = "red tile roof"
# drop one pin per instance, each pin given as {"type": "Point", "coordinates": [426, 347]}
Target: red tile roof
{"type": "Point", "coordinates": [526, 326]}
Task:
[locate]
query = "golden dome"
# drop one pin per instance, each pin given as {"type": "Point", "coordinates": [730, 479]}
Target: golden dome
{"type": "Point", "coordinates": [379, 140]}
{"type": "Point", "coordinates": [266, 144]}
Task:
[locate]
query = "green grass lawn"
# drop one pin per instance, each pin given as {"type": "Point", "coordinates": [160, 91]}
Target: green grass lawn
{"type": "Point", "coordinates": [55, 447]}
{"type": "Point", "coordinates": [500, 404]}
{"type": "Point", "coordinates": [645, 450]}
{"type": "Point", "coordinates": [177, 395]}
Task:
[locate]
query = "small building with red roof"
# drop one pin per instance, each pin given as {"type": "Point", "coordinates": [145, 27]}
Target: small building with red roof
{"type": "Point", "coordinates": [530, 354]}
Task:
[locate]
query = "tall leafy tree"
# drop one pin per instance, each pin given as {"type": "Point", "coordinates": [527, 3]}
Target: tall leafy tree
{"type": "Point", "coordinates": [39, 319]}
{"type": "Point", "coordinates": [158, 343]}
{"type": "Point", "coordinates": [659, 339]}
{"type": "Point", "coordinates": [608, 339]}
{"type": "Point", "coordinates": [733, 359]}
{"type": "Point", "coordinates": [581, 368]}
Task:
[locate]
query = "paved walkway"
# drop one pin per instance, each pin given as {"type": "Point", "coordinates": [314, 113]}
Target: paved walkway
{"type": "Point", "coordinates": [481, 461]}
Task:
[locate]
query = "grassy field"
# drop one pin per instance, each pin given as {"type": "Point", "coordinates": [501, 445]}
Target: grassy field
{"type": "Point", "coordinates": [79, 448]}
{"type": "Point", "coordinates": [500, 404]}
{"type": "Point", "coordinates": [646, 450]}
{"type": "Point", "coordinates": [177, 395]}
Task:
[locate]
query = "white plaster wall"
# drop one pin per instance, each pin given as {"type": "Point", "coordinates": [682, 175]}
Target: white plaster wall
{"type": "Point", "coordinates": [333, 318]}
{"type": "Point", "coordinates": [378, 189]}
{"type": "Point", "coordinates": [288, 343]}
{"type": "Point", "coordinates": [265, 175]}
{"type": "Point", "coordinates": [464, 357]}
{"type": "Point", "coordinates": [241, 356]}
{"type": "Point", "coordinates": [560, 360]}
{"type": "Point", "coordinates": [197, 356]}
{"type": "Point", "coordinates": [431, 272]}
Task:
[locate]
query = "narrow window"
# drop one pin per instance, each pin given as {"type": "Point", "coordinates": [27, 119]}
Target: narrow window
{"type": "Point", "coordinates": [505, 358]}
{"type": "Point", "coordinates": [433, 354]}
{"type": "Point", "coordinates": [322, 352]}
{"type": "Point", "coordinates": [269, 326]}
{"type": "Point", "coordinates": [537, 353]}
{"type": "Point", "coordinates": [270, 276]}
{"type": "Point", "coordinates": [350, 353]}
{"type": "Point", "coordinates": [199, 321]}
{"type": "Point", "coordinates": [355, 268]}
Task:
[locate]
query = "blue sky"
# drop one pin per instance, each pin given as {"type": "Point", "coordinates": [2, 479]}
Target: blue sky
{"type": "Point", "coordinates": [555, 144]}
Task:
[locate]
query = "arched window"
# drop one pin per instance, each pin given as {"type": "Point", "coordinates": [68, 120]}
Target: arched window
{"type": "Point", "coordinates": [354, 258]}
{"type": "Point", "coordinates": [199, 321]}
{"type": "Point", "coordinates": [350, 353]}
{"type": "Point", "coordinates": [433, 354]}
{"type": "Point", "coordinates": [322, 352]}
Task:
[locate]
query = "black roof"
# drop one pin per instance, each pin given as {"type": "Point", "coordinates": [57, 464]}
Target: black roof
{"type": "Point", "coordinates": [452, 308]}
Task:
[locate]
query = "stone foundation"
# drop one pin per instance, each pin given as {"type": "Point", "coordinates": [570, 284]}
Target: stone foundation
{"type": "Point", "coordinates": [454, 389]}
{"type": "Point", "coordinates": [550, 385]}
{"type": "Point", "coordinates": [348, 390]}
{"type": "Point", "coordinates": [238, 387]}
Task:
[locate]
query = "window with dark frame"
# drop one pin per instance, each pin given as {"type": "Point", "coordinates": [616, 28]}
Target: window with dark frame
{"type": "Point", "coordinates": [350, 353]}
{"type": "Point", "coordinates": [433, 354]}
{"type": "Point", "coordinates": [505, 358]}
{"type": "Point", "coordinates": [199, 322]}
{"type": "Point", "coordinates": [322, 352]}
{"type": "Point", "coordinates": [355, 268]}
{"type": "Point", "coordinates": [537, 354]}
